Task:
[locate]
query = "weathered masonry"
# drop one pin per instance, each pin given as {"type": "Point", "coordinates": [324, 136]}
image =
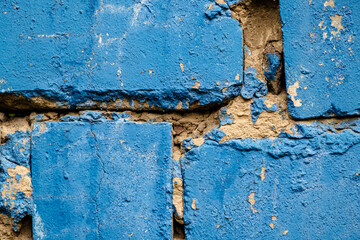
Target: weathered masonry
{"type": "Point", "coordinates": [108, 180]}
{"type": "Point", "coordinates": [322, 55]}
{"type": "Point", "coordinates": [197, 119]}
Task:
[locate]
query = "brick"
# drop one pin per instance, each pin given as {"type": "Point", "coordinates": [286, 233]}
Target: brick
{"type": "Point", "coordinates": [303, 186]}
{"type": "Point", "coordinates": [15, 177]}
{"type": "Point", "coordinates": [155, 51]}
{"type": "Point", "coordinates": [107, 180]}
{"type": "Point", "coordinates": [321, 52]}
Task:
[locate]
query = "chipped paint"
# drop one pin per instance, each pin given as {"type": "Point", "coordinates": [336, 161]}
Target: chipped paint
{"type": "Point", "coordinates": [182, 67]}
{"type": "Point", "coordinates": [272, 225]}
{"type": "Point", "coordinates": [292, 91]}
{"type": "Point", "coordinates": [91, 178]}
{"type": "Point", "coordinates": [262, 45]}
{"type": "Point", "coordinates": [262, 174]}
{"type": "Point", "coordinates": [244, 120]}
{"type": "Point", "coordinates": [15, 184]}
{"type": "Point", "coordinates": [330, 3]}
{"type": "Point", "coordinates": [331, 24]}
{"type": "Point", "coordinates": [62, 65]}
{"type": "Point", "coordinates": [196, 85]}
{"type": "Point", "coordinates": [15, 180]}
{"type": "Point", "coordinates": [252, 202]}
{"type": "Point", "coordinates": [193, 204]}
{"type": "Point", "coordinates": [222, 176]}
{"type": "Point", "coordinates": [336, 23]}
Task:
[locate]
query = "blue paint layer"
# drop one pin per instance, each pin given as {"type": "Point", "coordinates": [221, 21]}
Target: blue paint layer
{"type": "Point", "coordinates": [322, 55]}
{"type": "Point", "coordinates": [95, 116]}
{"type": "Point", "coordinates": [15, 201]}
{"type": "Point", "coordinates": [253, 86]}
{"type": "Point", "coordinates": [79, 52]}
{"type": "Point", "coordinates": [106, 180]}
{"type": "Point", "coordinates": [273, 66]}
{"type": "Point", "coordinates": [225, 118]}
{"type": "Point", "coordinates": [309, 189]}
{"type": "Point", "coordinates": [258, 106]}
{"type": "Point", "coordinates": [215, 135]}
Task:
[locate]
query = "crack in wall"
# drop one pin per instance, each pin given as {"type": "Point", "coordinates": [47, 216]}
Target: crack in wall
{"type": "Point", "coordinates": [100, 182]}
{"type": "Point", "coordinates": [262, 40]}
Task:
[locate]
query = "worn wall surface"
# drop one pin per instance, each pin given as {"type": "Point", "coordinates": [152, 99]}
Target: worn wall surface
{"type": "Point", "coordinates": [209, 119]}
{"type": "Point", "coordinates": [303, 185]}
{"type": "Point", "coordinates": [108, 180]}
{"type": "Point", "coordinates": [322, 56]}
{"type": "Point", "coordinates": [77, 54]}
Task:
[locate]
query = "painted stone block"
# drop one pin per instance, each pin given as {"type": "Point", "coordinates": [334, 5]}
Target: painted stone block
{"type": "Point", "coordinates": [301, 186]}
{"type": "Point", "coordinates": [83, 52]}
{"type": "Point", "coordinates": [109, 180]}
{"type": "Point", "coordinates": [15, 177]}
{"type": "Point", "coordinates": [322, 55]}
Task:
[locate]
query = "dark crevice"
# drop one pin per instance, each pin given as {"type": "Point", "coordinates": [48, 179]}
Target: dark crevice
{"type": "Point", "coordinates": [178, 229]}
{"type": "Point", "coordinates": [260, 21]}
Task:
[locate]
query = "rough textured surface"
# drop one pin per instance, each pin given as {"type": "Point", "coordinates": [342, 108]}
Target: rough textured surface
{"type": "Point", "coordinates": [102, 180]}
{"type": "Point", "coordinates": [149, 55]}
{"type": "Point", "coordinates": [262, 45]}
{"type": "Point", "coordinates": [162, 53]}
{"type": "Point", "coordinates": [15, 177]}
{"type": "Point", "coordinates": [7, 232]}
{"type": "Point", "coordinates": [322, 55]}
{"type": "Point", "coordinates": [298, 186]}
{"type": "Point", "coordinates": [269, 123]}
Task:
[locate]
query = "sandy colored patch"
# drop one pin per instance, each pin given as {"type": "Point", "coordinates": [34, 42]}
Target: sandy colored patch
{"type": "Point", "coordinates": [336, 23]}
{"type": "Point", "coordinates": [330, 3]}
{"type": "Point", "coordinates": [9, 125]}
{"type": "Point", "coordinates": [252, 201]}
{"type": "Point", "coordinates": [292, 91]}
{"type": "Point", "coordinates": [178, 199]}
{"type": "Point", "coordinates": [12, 186]}
{"type": "Point", "coordinates": [193, 204]}
{"type": "Point", "coordinates": [262, 174]}
{"type": "Point", "coordinates": [7, 232]}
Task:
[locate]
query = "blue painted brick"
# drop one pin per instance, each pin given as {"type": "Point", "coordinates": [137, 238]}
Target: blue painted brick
{"type": "Point", "coordinates": [322, 55]}
{"type": "Point", "coordinates": [107, 180]}
{"type": "Point", "coordinates": [301, 186]}
{"type": "Point", "coordinates": [74, 51]}
{"type": "Point", "coordinates": [15, 177]}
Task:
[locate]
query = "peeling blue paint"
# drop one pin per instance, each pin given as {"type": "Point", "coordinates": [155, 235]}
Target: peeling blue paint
{"type": "Point", "coordinates": [17, 148]}
{"type": "Point", "coordinates": [252, 86]}
{"type": "Point", "coordinates": [96, 116]}
{"type": "Point", "coordinates": [258, 106]}
{"type": "Point", "coordinates": [225, 118]}
{"type": "Point", "coordinates": [215, 135]}
{"type": "Point", "coordinates": [296, 186]}
{"type": "Point", "coordinates": [152, 51]}
{"type": "Point", "coordinates": [102, 180]}
{"type": "Point", "coordinates": [322, 55]}
{"type": "Point", "coordinates": [15, 153]}
{"type": "Point", "coordinates": [273, 66]}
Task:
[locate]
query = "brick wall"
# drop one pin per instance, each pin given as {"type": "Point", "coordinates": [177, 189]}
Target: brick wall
{"type": "Point", "coordinates": [151, 119]}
